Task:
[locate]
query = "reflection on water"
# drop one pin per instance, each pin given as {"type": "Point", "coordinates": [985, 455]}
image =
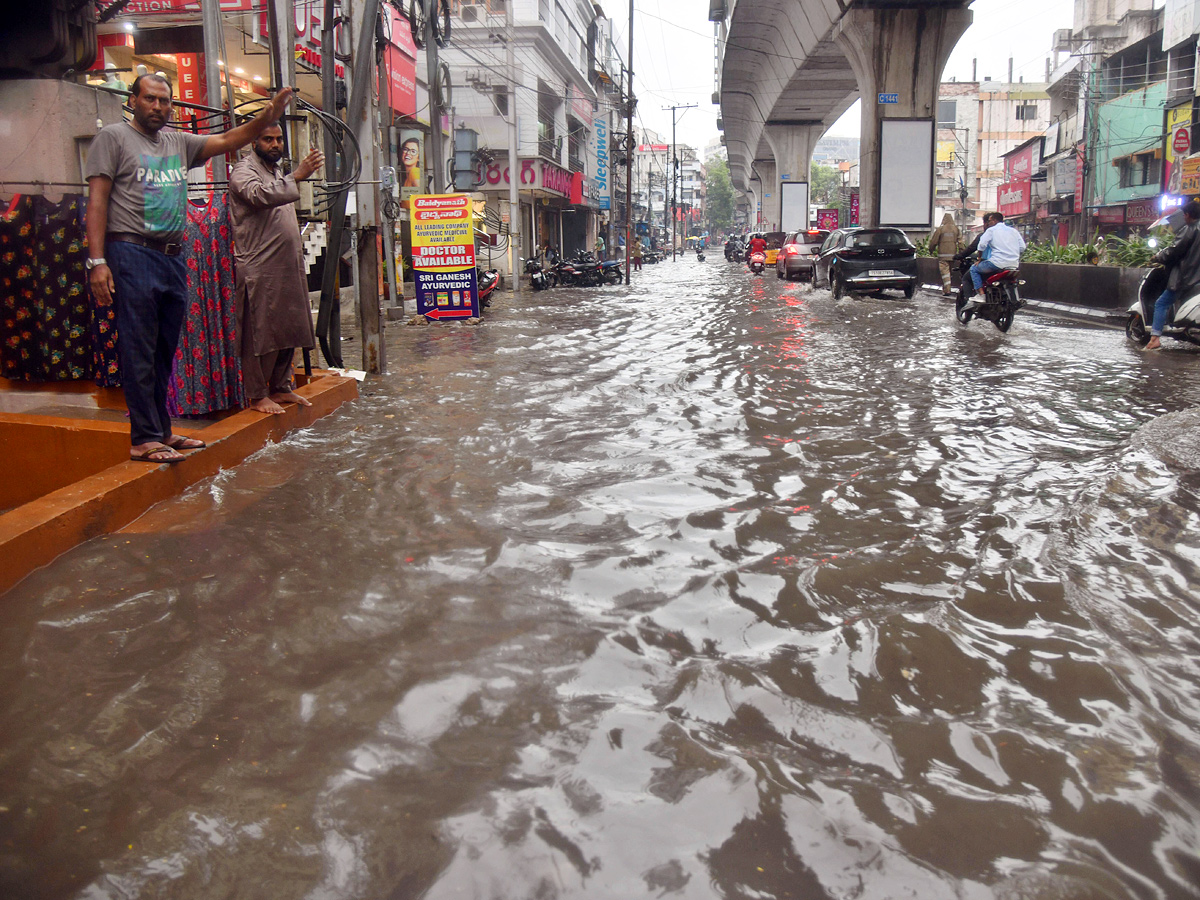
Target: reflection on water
{"type": "Point", "coordinates": [713, 588]}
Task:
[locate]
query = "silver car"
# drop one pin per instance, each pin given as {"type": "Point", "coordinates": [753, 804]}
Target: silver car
{"type": "Point", "coordinates": [799, 253]}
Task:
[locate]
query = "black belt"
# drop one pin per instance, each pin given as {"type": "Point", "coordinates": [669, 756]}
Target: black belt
{"type": "Point", "coordinates": [167, 248]}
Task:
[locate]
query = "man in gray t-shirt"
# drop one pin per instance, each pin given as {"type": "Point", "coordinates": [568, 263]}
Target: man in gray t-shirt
{"type": "Point", "coordinates": [137, 196]}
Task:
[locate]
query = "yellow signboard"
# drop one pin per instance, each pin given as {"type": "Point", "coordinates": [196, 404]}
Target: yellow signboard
{"type": "Point", "coordinates": [1190, 183]}
{"type": "Point", "coordinates": [443, 255]}
{"type": "Point", "coordinates": [945, 151]}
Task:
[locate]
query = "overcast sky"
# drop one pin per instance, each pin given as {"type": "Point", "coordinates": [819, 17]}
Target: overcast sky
{"type": "Point", "coordinates": [673, 56]}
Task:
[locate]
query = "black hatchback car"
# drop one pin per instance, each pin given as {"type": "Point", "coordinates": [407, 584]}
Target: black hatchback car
{"type": "Point", "coordinates": [866, 260]}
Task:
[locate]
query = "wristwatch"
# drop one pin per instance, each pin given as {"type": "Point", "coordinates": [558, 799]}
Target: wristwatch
{"type": "Point", "coordinates": [92, 263]}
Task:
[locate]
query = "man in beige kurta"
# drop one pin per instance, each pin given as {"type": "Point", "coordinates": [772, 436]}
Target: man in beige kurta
{"type": "Point", "coordinates": [273, 311]}
{"type": "Point", "coordinates": [945, 241]}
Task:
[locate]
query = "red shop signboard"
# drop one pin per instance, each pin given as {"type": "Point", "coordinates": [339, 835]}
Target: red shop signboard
{"type": "Point", "coordinates": [400, 62]}
{"type": "Point", "coordinates": [1013, 198]}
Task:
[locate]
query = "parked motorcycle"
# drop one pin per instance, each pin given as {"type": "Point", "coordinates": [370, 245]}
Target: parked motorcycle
{"type": "Point", "coordinates": [537, 275]}
{"type": "Point", "coordinates": [611, 270]}
{"type": "Point", "coordinates": [650, 257]}
{"type": "Point", "coordinates": [487, 282]}
{"type": "Point", "coordinates": [1000, 301]}
{"type": "Point", "coordinates": [757, 262]}
{"type": "Point", "coordinates": [1183, 323]}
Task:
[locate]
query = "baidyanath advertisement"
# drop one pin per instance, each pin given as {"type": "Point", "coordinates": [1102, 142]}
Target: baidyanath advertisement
{"type": "Point", "coordinates": [443, 256]}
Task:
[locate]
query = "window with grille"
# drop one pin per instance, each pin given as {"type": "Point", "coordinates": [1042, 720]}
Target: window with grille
{"type": "Point", "coordinates": [1142, 169]}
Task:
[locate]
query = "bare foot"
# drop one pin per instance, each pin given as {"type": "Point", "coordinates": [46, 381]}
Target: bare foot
{"type": "Point", "coordinates": [269, 406]}
{"type": "Point", "coordinates": [1154, 344]}
{"type": "Point", "coordinates": [290, 397]}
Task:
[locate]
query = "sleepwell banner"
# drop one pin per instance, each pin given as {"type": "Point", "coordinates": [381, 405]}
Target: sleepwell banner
{"type": "Point", "coordinates": [443, 256]}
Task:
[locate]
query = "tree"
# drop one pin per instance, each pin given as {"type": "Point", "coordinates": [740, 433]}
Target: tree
{"type": "Point", "coordinates": [826, 185]}
{"type": "Point", "coordinates": [719, 196]}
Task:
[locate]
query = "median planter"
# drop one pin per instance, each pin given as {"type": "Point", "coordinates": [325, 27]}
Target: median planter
{"type": "Point", "coordinates": [1093, 287]}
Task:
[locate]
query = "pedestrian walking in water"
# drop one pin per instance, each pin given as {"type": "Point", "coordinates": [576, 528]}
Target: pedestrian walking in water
{"type": "Point", "coordinates": [637, 255]}
{"type": "Point", "coordinates": [945, 241]}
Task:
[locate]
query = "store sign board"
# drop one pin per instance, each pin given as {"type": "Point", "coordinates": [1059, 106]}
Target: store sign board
{"type": "Point", "coordinates": [1178, 143]}
{"type": "Point", "coordinates": [535, 174]}
{"type": "Point", "coordinates": [854, 208]}
{"type": "Point", "coordinates": [1141, 212]}
{"type": "Point", "coordinates": [827, 218]}
{"type": "Point", "coordinates": [1111, 215]}
{"type": "Point", "coordinates": [441, 231]}
{"type": "Point", "coordinates": [602, 186]}
{"type": "Point", "coordinates": [308, 29]}
{"type": "Point", "coordinates": [1190, 176]}
{"type": "Point", "coordinates": [1013, 198]}
{"type": "Point", "coordinates": [400, 62]}
{"type": "Point", "coordinates": [1018, 166]}
{"type": "Point", "coordinates": [152, 7]}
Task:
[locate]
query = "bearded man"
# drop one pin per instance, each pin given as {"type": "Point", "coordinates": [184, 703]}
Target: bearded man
{"type": "Point", "coordinates": [273, 313]}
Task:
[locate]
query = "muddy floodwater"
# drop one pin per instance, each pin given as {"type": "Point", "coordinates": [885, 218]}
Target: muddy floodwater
{"type": "Point", "coordinates": [712, 587]}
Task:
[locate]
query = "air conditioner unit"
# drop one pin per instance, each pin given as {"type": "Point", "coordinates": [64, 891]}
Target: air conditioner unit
{"type": "Point", "coordinates": [472, 12]}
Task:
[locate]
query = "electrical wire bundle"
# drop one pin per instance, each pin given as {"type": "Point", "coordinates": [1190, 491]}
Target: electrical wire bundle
{"type": "Point", "coordinates": [347, 150]}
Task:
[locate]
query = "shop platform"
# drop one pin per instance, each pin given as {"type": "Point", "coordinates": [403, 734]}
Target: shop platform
{"type": "Point", "coordinates": [65, 471]}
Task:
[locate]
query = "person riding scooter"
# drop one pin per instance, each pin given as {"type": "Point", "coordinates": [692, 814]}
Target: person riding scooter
{"type": "Point", "coordinates": [1182, 259]}
{"type": "Point", "coordinates": [758, 244]}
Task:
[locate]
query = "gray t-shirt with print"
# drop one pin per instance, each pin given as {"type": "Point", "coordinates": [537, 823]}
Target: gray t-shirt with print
{"type": "Point", "coordinates": [149, 176]}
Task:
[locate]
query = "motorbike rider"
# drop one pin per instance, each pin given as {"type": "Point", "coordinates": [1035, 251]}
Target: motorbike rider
{"type": "Point", "coordinates": [758, 244]}
{"type": "Point", "coordinates": [1001, 247]}
{"type": "Point", "coordinates": [1182, 258]}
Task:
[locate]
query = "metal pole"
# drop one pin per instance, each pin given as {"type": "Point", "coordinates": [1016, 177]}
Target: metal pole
{"type": "Point", "coordinates": [629, 153]}
{"type": "Point", "coordinates": [674, 176]}
{"type": "Point", "coordinates": [435, 107]}
{"type": "Point", "coordinates": [514, 197]}
{"type": "Point", "coordinates": [365, 123]}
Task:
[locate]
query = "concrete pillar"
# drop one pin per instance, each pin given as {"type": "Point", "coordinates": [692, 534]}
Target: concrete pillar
{"type": "Point", "coordinates": [766, 185]}
{"type": "Point", "coordinates": [793, 148]}
{"type": "Point", "coordinates": [895, 51]}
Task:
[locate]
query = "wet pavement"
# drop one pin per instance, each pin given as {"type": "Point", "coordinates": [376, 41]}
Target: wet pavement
{"type": "Point", "coordinates": [711, 587]}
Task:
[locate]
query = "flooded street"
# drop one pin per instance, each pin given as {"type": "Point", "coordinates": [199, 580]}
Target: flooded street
{"type": "Point", "coordinates": [714, 587]}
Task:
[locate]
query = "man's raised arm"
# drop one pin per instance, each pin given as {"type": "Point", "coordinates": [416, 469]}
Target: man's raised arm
{"type": "Point", "coordinates": [236, 138]}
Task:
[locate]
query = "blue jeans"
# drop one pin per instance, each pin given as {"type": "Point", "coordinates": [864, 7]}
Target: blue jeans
{"type": "Point", "coordinates": [1162, 309]}
{"type": "Point", "coordinates": [980, 269]}
{"type": "Point", "coordinates": [150, 304]}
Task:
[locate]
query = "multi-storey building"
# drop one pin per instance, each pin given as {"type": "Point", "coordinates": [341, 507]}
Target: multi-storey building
{"type": "Point", "coordinates": [565, 91]}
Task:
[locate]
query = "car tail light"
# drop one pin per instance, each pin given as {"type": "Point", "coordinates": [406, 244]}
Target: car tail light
{"type": "Point", "coordinates": [850, 251]}
{"type": "Point", "coordinates": [814, 234]}
{"type": "Point", "coordinates": [791, 249]}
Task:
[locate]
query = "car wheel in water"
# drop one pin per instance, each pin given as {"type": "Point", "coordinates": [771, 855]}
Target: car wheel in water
{"type": "Point", "coordinates": [835, 285]}
{"type": "Point", "coordinates": [778, 274]}
{"type": "Point", "coordinates": [909, 291]}
{"type": "Point", "coordinates": [1135, 329]}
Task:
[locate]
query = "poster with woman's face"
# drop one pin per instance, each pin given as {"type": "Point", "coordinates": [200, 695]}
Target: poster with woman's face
{"type": "Point", "coordinates": [411, 163]}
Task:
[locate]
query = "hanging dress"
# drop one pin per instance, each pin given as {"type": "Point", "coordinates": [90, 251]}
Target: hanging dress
{"type": "Point", "coordinates": [20, 358]}
{"type": "Point", "coordinates": [105, 364]}
{"type": "Point", "coordinates": [64, 306]}
{"type": "Point", "coordinates": [208, 373]}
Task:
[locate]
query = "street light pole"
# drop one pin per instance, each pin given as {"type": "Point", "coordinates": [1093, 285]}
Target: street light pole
{"type": "Point", "coordinates": [629, 153]}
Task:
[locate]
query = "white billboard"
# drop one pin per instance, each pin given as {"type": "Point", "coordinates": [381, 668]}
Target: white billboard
{"type": "Point", "coordinates": [793, 206]}
{"type": "Point", "coordinates": [906, 151]}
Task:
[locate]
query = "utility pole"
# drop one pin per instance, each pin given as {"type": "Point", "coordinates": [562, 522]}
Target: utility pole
{"type": "Point", "coordinates": [365, 122]}
{"type": "Point", "coordinates": [675, 170]}
{"type": "Point", "coordinates": [435, 100]}
{"type": "Point", "coordinates": [629, 102]}
{"type": "Point", "coordinates": [514, 200]}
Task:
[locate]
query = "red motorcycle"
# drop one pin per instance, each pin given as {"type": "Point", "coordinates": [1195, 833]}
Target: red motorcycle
{"type": "Point", "coordinates": [757, 262]}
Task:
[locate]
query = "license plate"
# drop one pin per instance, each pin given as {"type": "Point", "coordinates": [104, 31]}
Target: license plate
{"type": "Point", "coordinates": [880, 273]}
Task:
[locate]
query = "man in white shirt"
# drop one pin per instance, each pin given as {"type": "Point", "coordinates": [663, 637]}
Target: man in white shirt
{"type": "Point", "coordinates": [1000, 247]}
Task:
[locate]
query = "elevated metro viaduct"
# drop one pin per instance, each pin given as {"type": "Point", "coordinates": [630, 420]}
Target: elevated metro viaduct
{"type": "Point", "coordinates": [790, 68]}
